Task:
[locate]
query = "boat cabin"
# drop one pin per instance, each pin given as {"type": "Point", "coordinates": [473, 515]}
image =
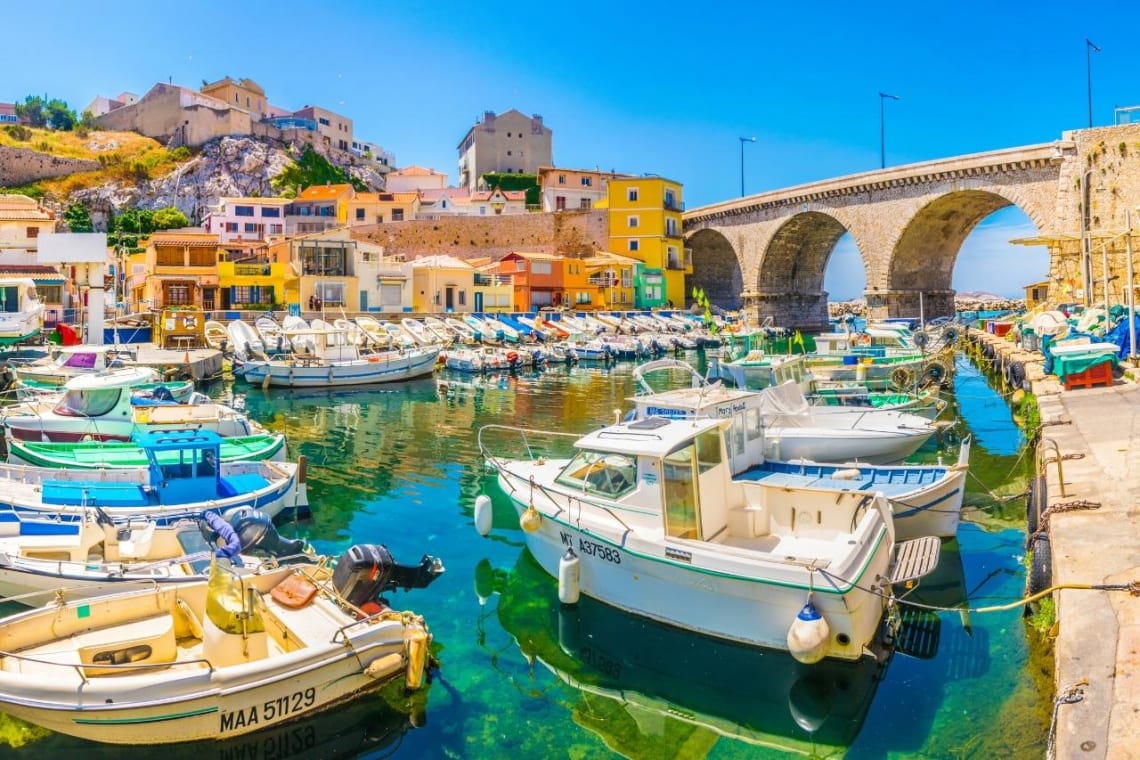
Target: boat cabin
{"type": "Point", "coordinates": [100, 395]}
{"type": "Point", "coordinates": [328, 345]}
{"type": "Point", "coordinates": [21, 310]}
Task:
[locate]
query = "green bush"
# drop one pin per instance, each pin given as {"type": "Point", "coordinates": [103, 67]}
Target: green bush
{"type": "Point", "coordinates": [181, 153]}
{"type": "Point", "coordinates": [312, 169]}
{"type": "Point", "coordinates": [18, 132]}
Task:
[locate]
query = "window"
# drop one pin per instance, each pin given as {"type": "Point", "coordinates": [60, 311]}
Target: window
{"type": "Point", "coordinates": [323, 121]}
{"type": "Point", "coordinates": [272, 212]}
{"type": "Point", "coordinates": [671, 201]}
{"type": "Point", "coordinates": [360, 215]}
{"type": "Point", "coordinates": [626, 278]}
{"type": "Point", "coordinates": [681, 510]}
{"type": "Point", "coordinates": [276, 229]}
{"type": "Point", "coordinates": [32, 232]}
{"type": "Point", "coordinates": [508, 134]}
{"type": "Point", "coordinates": [671, 228]}
{"type": "Point", "coordinates": [600, 472]}
{"type": "Point", "coordinates": [462, 297]}
{"type": "Point", "coordinates": [92, 403]}
{"type": "Point", "coordinates": [540, 267]}
{"type": "Point", "coordinates": [584, 204]}
{"type": "Point", "coordinates": [247, 101]}
{"type": "Point", "coordinates": [177, 294]}
{"type": "Point", "coordinates": [231, 226]}
{"type": "Point", "coordinates": [508, 153]}
{"type": "Point", "coordinates": [562, 179]}
{"type": "Point", "coordinates": [633, 221]}
{"type": "Point", "coordinates": [397, 215]}
{"type": "Point", "coordinates": [633, 245]}
{"type": "Point", "coordinates": [331, 293]}
{"type": "Point", "coordinates": [391, 294]}
{"type": "Point", "coordinates": [243, 210]}
{"type": "Point", "coordinates": [631, 194]}
{"type": "Point", "coordinates": [559, 203]}
{"type": "Point", "coordinates": [251, 227]}
{"type": "Point", "coordinates": [587, 181]}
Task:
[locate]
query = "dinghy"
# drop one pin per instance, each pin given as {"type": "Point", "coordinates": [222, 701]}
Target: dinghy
{"type": "Point", "coordinates": [119, 454]}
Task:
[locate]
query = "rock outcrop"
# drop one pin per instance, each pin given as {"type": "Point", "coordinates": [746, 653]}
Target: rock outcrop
{"type": "Point", "coordinates": [227, 167]}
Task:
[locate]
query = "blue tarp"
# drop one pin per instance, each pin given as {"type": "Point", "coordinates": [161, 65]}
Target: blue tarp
{"type": "Point", "coordinates": [1119, 335]}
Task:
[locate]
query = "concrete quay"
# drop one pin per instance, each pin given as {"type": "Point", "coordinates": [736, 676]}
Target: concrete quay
{"type": "Point", "coordinates": [1093, 520]}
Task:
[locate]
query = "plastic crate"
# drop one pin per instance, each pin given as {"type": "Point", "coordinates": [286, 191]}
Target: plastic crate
{"type": "Point", "coordinates": [1099, 374]}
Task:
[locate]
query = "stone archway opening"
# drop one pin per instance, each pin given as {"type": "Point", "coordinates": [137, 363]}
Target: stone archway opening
{"type": "Point", "coordinates": [716, 269]}
{"type": "Point", "coordinates": [790, 283]}
{"type": "Point", "coordinates": [920, 277]}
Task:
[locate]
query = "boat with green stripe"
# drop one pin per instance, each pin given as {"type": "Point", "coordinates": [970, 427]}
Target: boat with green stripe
{"type": "Point", "coordinates": [128, 454]}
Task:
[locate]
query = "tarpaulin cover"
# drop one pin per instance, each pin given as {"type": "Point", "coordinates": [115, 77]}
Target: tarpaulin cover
{"type": "Point", "coordinates": [1119, 336]}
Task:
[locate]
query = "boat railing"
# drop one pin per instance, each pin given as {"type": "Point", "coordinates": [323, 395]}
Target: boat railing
{"type": "Point", "coordinates": [524, 437]}
{"type": "Point", "coordinates": [78, 667]}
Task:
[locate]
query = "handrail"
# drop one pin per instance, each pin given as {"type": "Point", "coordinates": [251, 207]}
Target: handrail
{"type": "Point", "coordinates": [79, 666]}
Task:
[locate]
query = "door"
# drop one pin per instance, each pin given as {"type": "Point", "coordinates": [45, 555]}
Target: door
{"type": "Point", "coordinates": [478, 301]}
{"type": "Point", "coordinates": [682, 515]}
{"type": "Point", "coordinates": [449, 298]}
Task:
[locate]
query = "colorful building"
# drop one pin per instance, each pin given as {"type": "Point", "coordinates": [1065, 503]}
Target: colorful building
{"type": "Point", "coordinates": [318, 208]}
{"type": "Point", "coordinates": [645, 224]}
{"type": "Point", "coordinates": [493, 291]}
{"type": "Point", "coordinates": [176, 269]}
{"type": "Point", "coordinates": [22, 220]}
{"type": "Point", "coordinates": [245, 94]}
{"type": "Point", "coordinates": [573, 189]}
{"type": "Point", "coordinates": [442, 284]}
{"type": "Point", "coordinates": [247, 218]}
{"type": "Point", "coordinates": [253, 278]}
{"type": "Point", "coordinates": [509, 143]}
{"type": "Point", "coordinates": [613, 278]}
{"type": "Point", "coordinates": [325, 264]}
{"type": "Point", "coordinates": [380, 208]}
{"type": "Point", "coordinates": [414, 178]}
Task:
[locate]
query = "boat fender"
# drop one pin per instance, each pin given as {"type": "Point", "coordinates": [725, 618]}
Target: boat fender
{"type": "Point", "coordinates": [1041, 568]}
{"type": "Point", "coordinates": [569, 577]}
{"type": "Point", "coordinates": [808, 635]}
{"type": "Point", "coordinates": [849, 473]}
{"type": "Point", "coordinates": [416, 650]}
{"type": "Point", "coordinates": [483, 514]}
{"type": "Point", "coordinates": [530, 520]}
{"type": "Point", "coordinates": [384, 666]}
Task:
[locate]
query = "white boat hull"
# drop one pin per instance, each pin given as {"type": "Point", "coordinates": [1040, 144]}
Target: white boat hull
{"type": "Point", "coordinates": [403, 365]}
{"type": "Point", "coordinates": [836, 445]}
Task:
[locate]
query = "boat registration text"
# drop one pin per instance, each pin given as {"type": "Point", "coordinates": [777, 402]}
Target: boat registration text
{"type": "Point", "coordinates": [591, 548]}
{"type": "Point", "coordinates": [268, 711]}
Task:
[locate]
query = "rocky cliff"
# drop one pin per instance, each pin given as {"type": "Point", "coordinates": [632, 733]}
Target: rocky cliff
{"type": "Point", "coordinates": [227, 167]}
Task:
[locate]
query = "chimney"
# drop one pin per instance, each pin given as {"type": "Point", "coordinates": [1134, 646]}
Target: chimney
{"type": "Point", "coordinates": [488, 117]}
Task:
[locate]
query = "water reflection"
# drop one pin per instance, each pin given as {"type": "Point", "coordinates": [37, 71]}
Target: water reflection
{"type": "Point", "coordinates": [645, 688]}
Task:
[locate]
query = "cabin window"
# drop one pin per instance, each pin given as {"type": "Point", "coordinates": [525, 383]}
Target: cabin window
{"type": "Point", "coordinates": [753, 423]}
{"type": "Point", "coordinates": [606, 474]}
{"type": "Point", "coordinates": [90, 403]}
{"type": "Point", "coordinates": [682, 519]}
{"type": "Point", "coordinates": [10, 298]}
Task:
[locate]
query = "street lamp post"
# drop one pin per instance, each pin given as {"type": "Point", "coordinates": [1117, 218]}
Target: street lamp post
{"type": "Point", "coordinates": [742, 141]}
{"type": "Point", "coordinates": [1090, 48]}
{"type": "Point", "coordinates": [882, 129]}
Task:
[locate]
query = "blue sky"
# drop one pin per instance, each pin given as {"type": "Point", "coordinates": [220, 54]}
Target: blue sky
{"type": "Point", "coordinates": [637, 87]}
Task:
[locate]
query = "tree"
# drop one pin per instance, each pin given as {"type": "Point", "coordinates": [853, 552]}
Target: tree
{"type": "Point", "coordinates": [169, 218]}
{"type": "Point", "coordinates": [77, 218]}
{"type": "Point", "coordinates": [312, 169]}
{"type": "Point", "coordinates": [32, 111]}
{"type": "Point", "coordinates": [87, 121]}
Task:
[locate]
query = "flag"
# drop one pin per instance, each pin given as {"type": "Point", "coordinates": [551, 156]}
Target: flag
{"type": "Point", "coordinates": [798, 339]}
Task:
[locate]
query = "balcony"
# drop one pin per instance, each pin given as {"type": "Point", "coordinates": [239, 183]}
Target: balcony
{"type": "Point", "coordinates": [673, 233]}
{"type": "Point", "coordinates": [251, 270]}
{"type": "Point", "coordinates": [491, 280]}
{"type": "Point", "coordinates": [601, 281]}
{"type": "Point", "coordinates": [672, 204]}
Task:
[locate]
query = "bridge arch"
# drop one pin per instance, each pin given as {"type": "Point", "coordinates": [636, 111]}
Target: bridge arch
{"type": "Point", "coordinates": [790, 278]}
{"type": "Point", "coordinates": [716, 269]}
{"type": "Point", "coordinates": [923, 257]}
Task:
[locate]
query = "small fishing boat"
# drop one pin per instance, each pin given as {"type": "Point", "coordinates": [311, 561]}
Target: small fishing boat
{"type": "Point", "coordinates": [216, 335]}
{"type": "Point", "coordinates": [272, 336]}
{"type": "Point", "coordinates": [21, 310]}
{"type": "Point", "coordinates": [91, 554]}
{"type": "Point", "coordinates": [462, 330]}
{"type": "Point", "coordinates": [924, 403]}
{"type": "Point", "coordinates": [119, 454]}
{"type": "Point", "coordinates": [245, 343]}
{"type": "Point", "coordinates": [645, 516]}
{"type": "Point", "coordinates": [335, 361]}
{"type": "Point", "coordinates": [102, 407]}
{"type": "Point", "coordinates": [210, 659]}
{"type": "Point", "coordinates": [149, 389]}
{"type": "Point", "coordinates": [436, 327]}
{"type": "Point", "coordinates": [416, 329]}
{"type": "Point", "coordinates": [67, 362]}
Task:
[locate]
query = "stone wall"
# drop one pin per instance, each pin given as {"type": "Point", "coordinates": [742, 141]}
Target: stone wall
{"type": "Point", "coordinates": [567, 233]}
{"type": "Point", "coordinates": [19, 166]}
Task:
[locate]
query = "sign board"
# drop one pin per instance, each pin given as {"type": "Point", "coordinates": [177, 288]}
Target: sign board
{"type": "Point", "coordinates": [72, 248]}
{"type": "Point", "coordinates": [294, 310]}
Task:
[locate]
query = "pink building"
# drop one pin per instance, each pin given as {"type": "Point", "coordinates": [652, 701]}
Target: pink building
{"type": "Point", "coordinates": [247, 218]}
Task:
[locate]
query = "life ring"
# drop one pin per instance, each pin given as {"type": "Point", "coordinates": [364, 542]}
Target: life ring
{"type": "Point", "coordinates": [863, 339]}
{"type": "Point", "coordinates": [512, 357]}
{"type": "Point", "coordinates": [901, 378]}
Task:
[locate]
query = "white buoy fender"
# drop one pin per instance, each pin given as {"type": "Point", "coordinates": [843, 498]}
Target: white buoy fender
{"type": "Point", "coordinates": [569, 574]}
{"type": "Point", "coordinates": [808, 635]}
{"type": "Point", "coordinates": [849, 473]}
{"type": "Point", "coordinates": [483, 514]}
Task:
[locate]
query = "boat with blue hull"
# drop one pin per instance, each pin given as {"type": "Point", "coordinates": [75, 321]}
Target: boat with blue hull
{"type": "Point", "coordinates": [183, 475]}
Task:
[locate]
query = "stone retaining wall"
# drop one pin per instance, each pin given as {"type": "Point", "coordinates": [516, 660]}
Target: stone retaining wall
{"type": "Point", "coordinates": [20, 166]}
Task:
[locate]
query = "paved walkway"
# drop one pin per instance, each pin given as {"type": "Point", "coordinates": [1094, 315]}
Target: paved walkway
{"type": "Point", "coordinates": [1099, 631]}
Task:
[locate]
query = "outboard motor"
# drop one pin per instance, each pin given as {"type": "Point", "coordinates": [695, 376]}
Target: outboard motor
{"type": "Point", "coordinates": [258, 535]}
{"type": "Point", "coordinates": [162, 393]}
{"type": "Point", "coordinates": [367, 570]}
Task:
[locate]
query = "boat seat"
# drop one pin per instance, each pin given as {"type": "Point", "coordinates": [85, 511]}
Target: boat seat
{"type": "Point", "coordinates": [137, 543]}
{"type": "Point", "coordinates": [234, 485]}
{"type": "Point", "coordinates": [150, 642]}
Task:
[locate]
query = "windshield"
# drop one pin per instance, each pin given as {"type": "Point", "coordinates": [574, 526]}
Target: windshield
{"type": "Point", "coordinates": [600, 472]}
{"type": "Point", "coordinates": [90, 403]}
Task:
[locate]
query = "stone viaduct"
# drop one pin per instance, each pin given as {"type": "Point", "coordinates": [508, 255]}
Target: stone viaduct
{"type": "Point", "coordinates": [768, 252]}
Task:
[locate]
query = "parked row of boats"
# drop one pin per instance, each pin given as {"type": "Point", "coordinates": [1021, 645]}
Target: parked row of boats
{"type": "Point", "coordinates": [165, 606]}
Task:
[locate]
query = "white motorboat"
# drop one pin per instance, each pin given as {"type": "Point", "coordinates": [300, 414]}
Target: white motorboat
{"type": "Point", "coordinates": [335, 361]}
{"type": "Point", "coordinates": [148, 390]}
{"type": "Point", "coordinates": [790, 427]}
{"type": "Point", "coordinates": [416, 329]}
{"type": "Point", "coordinates": [208, 660]}
{"type": "Point", "coordinates": [194, 482]}
{"type": "Point", "coordinates": [91, 554]}
{"type": "Point", "coordinates": [101, 407]}
{"type": "Point", "coordinates": [21, 310]}
{"type": "Point", "coordinates": [440, 330]}
{"type": "Point", "coordinates": [67, 362]}
{"type": "Point", "coordinates": [647, 517]}
{"type": "Point", "coordinates": [244, 340]}
{"type": "Point", "coordinates": [272, 336]}
{"type": "Point", "coordinates": [462, 330]}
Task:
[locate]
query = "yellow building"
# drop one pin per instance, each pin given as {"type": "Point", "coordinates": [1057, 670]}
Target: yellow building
{"type": "Point", "coordinates": [325, 265]}
{"type": "Point", "coordinates": [645, 224]}
{"type": "Point", "coordinates": [1036, 293]}
{"type": "Point", "coordinates": [378, 208]}
{"type": "Point", "coordinates": [251, 278]}
{"type": "Point", "coordinates": [176, 269]}
{"type": "Point", "coordinates": [318, 208]}
{"type": "Point", "coordinates": [494, 291]}
{"type": "Point", "coordinates": [442, 284]}
{"type": "Point", "coordinates": [245, 94]}
{"type": "Point", "coordinates": [612, 276]}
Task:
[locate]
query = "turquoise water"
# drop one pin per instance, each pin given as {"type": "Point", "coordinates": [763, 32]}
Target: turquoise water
{"type": "Point", "coordinates": [521, 677]}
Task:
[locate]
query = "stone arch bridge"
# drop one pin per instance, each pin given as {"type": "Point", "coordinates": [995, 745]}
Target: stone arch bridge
{"type": "Point", "coordinates": [770, 250]}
